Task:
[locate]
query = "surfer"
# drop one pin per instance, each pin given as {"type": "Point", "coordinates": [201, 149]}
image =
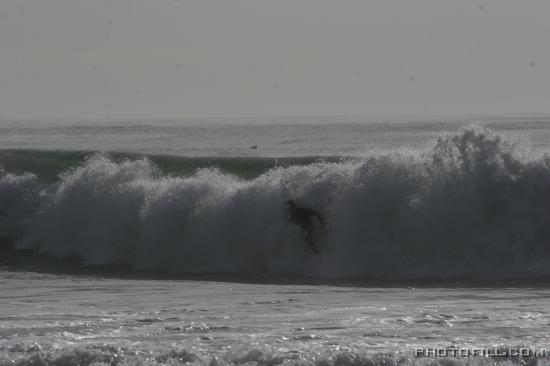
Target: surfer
{"type": "Point", "coordinates": [303, 217]}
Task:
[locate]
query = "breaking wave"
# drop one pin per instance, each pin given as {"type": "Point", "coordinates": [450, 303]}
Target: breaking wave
{"type": "Point", "coordinates": [471, 206]}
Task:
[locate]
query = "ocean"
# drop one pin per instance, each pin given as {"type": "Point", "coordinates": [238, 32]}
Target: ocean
{"type": "Point", "coordinates": [168, 242]}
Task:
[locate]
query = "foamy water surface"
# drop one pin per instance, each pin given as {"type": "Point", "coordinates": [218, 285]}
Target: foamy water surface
{"type": "Point", "coordinates": [59, 318]}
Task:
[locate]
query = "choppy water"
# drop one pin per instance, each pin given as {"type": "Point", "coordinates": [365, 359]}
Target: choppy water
{"type": "Point", "coordinates": [57, 319]}
{"type": "Point", "coordinates": [98, 248]}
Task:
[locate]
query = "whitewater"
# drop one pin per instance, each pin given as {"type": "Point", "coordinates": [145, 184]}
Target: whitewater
{"type": "Point", "coordinates": [168, 242]}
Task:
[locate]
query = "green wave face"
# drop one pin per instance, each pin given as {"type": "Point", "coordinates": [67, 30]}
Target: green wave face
{"type": "Point", "coordinates": [49, 164]}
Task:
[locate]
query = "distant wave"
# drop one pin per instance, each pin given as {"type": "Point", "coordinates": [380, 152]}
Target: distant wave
{"type": "Point", "coordinates": [473, 206]}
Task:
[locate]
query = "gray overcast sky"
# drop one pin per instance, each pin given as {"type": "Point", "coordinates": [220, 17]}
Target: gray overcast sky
{"type": "Point", "coordinates": [180, 58]}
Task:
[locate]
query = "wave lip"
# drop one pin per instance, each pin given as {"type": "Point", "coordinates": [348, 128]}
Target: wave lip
{"type": "Point", "coordinates": [473, 205]}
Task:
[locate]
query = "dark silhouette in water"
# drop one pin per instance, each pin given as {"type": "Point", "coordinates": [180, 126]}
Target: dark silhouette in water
{"type": "Point", "coordinates": [303, 217]}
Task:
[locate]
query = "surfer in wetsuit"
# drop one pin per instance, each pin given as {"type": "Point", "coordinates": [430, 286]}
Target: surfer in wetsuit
{"type": "Point", "coordinates": [303, 217]}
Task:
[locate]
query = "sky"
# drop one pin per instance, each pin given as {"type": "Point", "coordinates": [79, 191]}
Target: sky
{"type": "Point", "coordinates": [148, 59]}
